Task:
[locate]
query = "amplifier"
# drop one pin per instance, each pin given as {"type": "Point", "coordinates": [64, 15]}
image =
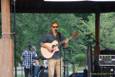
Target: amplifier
{"type": "Point", "coordinates": [106, 60]}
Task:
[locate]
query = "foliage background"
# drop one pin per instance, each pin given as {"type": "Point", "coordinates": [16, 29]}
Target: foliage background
{"type": "Point", "coordinates": [30, 27]}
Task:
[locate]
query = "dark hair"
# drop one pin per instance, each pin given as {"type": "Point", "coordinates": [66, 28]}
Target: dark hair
{"type": "Point", "coordinates": [54, 22]}
{"type": "Point", "coordinates": [29, 47]}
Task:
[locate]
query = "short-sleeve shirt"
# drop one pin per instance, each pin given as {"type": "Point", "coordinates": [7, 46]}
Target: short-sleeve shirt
{"type": "Point", "coordinates": [49, 38]}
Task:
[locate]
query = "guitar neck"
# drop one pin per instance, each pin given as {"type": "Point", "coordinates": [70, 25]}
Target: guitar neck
{"type": "Point", "coordinates": [64, 40]}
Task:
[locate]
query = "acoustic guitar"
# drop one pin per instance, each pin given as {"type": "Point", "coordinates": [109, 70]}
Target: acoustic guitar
{"type": "Point", "coordinates": [54, 45]}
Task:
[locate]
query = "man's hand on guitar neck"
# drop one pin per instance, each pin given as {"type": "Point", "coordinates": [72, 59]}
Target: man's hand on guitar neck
{"type": "Point", "coordinates": [66, 40]}
{"type": "Point", "coordinates": [66, 43]}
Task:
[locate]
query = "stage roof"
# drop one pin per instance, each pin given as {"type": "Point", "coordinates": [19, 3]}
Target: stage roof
{"type": "Point", "coordinates": [40, 6]}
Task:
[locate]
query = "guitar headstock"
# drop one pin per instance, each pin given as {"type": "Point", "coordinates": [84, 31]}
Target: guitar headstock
{"type": "Point", "coordinates": [74, 34]}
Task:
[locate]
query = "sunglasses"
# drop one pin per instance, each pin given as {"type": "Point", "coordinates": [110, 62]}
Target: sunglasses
{"type": "Point", "coordinates": [54, 26]}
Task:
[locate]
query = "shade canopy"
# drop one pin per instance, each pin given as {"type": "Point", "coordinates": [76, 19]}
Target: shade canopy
{"type": "Point", "coordinates": [40, 6]}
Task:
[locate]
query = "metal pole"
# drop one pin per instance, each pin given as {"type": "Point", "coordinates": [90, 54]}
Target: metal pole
{"type": "Point", "coordinates": [14, 30]}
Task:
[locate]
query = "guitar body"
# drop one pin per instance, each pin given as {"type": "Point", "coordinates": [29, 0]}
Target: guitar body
{"type": "Point", "coordinates": [48, 54]}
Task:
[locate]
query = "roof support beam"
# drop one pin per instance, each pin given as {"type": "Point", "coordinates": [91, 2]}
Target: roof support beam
{"type": "Point", "coordinates": [97, 33]}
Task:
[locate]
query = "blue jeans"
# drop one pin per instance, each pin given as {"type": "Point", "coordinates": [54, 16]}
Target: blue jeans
{"type": "Point", "coordinates": [36, 70]}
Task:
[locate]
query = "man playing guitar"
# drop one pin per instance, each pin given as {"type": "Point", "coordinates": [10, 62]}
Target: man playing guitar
{"type": "Point", "coordinates": [51, 43]}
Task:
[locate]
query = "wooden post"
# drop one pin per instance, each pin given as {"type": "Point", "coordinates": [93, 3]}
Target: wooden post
{"type": "Point", "coordinates": [97, 31]}
{"type": "Point", "coordinates": [6, 43]}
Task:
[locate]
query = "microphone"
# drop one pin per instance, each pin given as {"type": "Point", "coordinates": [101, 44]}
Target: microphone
{"type": "Point", "coordinates": [56, 30]}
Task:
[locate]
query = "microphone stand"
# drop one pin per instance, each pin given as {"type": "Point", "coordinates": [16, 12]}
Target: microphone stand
{"type": "Point", "coordinates": [62, 60]}
{"type": "Point", "coordinates": [65, 63]}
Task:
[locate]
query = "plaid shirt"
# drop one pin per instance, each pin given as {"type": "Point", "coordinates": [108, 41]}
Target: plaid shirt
{"type": "Point", "coordinates": [28, 58]}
